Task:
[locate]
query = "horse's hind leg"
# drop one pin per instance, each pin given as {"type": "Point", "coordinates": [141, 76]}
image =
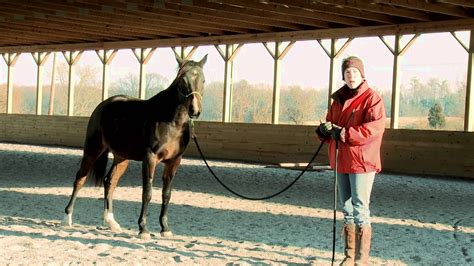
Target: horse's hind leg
{"type": "Point", "coordinates": [169, 172]}
{"type": "Point", "coordinates": [87, 163]}
{"type": "Point", "coordinates": [110, 183]}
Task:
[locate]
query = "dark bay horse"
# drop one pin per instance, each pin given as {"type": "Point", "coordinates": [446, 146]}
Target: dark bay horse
{"type": "Point", "coordinates": [151, 131]}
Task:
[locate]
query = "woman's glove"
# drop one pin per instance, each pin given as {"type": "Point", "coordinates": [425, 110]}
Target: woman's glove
{"type": "Point", "coordinates": [325, 128]}
{"type": "Point", "coordinates": [336, 132]}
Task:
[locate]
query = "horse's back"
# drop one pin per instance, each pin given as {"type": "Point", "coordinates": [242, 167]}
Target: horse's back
{"type": "Point", "coordinates": [117, 121]}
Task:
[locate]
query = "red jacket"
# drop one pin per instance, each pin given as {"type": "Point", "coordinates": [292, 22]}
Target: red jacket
{"type": "Point", "coordinates": [363, 128]}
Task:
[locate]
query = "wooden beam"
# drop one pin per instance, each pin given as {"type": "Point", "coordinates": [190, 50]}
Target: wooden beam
{"type": "Point", "coordinates": [89, 29]}
{"type": "Point", "coordinates": [228, 56]}
{"type": "Point", "coordinates": [411, 28]}
{"type": "Point", "coordinates": [261, 13]}
{"type": "Point", "coordinates": [72, 57]}
{"type": "Point", "coordinates": [106, 57]}
{"type": "Point", "coordinates": [143, 55]}
{"type": "Point", "coordinates": [46, 34]}
{"type": "Point", "coordinates": [346, 12]}
{"type": "Point", "coordinates": [121, 12]}
{"type": "Point", "coordinates": [106, 20]}
{"type": "Point", "coordinates": [428, 7]}
{"type": "Point", "coordinates": [288, 10]}
{"type": "Point", "coordinates": [464, 3]}
{"type": "Point", "coordinates": [469, 108]}
{"type": "Point", "coordinates": [40, 59]}
{"type": "Point", "coordinates": [377, 8]}
{"type": "Point", "coordinates": [220, 17]}
{"type": "Point", "coordinates": [10, 61]}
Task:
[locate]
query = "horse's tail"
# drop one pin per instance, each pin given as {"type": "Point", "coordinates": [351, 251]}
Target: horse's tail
{"type": "Point", "coordinates": [100, 166]}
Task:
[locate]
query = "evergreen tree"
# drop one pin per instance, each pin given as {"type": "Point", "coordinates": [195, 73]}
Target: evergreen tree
{"type": "Point", "coordinates": [436, 116]}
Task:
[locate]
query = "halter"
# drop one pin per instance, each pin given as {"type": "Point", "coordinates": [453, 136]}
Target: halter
{"type": "Point", "coordinates": [197, 94]}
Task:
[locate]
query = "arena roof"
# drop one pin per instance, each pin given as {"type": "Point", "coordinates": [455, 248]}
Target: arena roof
{"type": "Point", "coordinates": [85, 24]}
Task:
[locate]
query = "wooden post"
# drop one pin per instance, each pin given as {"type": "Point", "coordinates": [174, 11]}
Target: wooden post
{"type": "Point", "coordinates": [397, 52]}
{"type": "Point", "coordinates": [40, 59]}
{"type": "Point", "coordinates": [469, 104]}
{"type": "Point", "coordinates": [228, 57]}
{"type": "Point", "coordinates": [72, 57]}
{"type": "Point", "coordinates": [143, 56]}
{"type": "Point", "coordinates": [10, 60]}
{"type": "Point", "coordinates": [106, 57]}
{"type": "Point", "coordinates": [277, 56]}
{"type": "Point", "coordinates": [183, 54]}
{"type": "Point", "coordinates": [333, 54]}
{"type": "Point", "coordinates": [53, 87]}
{"type": "Point", "coordinates": [469, 109]}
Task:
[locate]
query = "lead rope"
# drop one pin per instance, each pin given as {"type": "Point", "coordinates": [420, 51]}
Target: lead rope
{"type": "Point", "coordinates": [247, 197]}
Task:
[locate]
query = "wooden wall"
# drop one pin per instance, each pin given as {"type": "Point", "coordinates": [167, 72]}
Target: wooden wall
{"type": "Point", "coordinates": [443, 153]}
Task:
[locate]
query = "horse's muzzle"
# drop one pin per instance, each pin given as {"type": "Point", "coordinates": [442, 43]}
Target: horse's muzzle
{"type": "Point", "coordinates": [194, 115]}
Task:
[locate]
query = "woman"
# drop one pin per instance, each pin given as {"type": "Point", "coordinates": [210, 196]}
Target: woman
{"type": "Point", "coordinates": [356, 119]}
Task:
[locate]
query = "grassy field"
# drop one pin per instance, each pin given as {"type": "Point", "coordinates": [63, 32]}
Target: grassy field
{"type": "Point", "coordinates": [421, 122]}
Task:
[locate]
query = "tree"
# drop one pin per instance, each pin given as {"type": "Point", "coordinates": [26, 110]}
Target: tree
{"type": "Point", "coordinates": [128, 85]}
{"type": "Point", "coordinates": [436, 116]}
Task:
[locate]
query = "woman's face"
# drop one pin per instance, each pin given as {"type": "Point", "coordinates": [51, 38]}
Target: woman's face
{"type": "Point", "coordinates": [352, 77]}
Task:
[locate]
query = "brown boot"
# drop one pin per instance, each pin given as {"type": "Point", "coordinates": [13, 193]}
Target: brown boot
{"type": "Point", "coordinates": [349, 232]}
{"type": "Point", "coordinates": [363, 239]}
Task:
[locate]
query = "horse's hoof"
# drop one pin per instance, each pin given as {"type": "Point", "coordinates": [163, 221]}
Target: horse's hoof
{"type": "Point", "coordinates": [111, 223]}
{"type": "Point", "coordinates": [116, 228]}
{"type": "Point", "coordinates": [67, 220]}
{"type": "Point", "coordinates": [144, 236]}
{"type": "Point", "coordinates": [167, 234]}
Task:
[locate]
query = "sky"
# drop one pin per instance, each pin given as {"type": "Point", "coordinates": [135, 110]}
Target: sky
{"type": "Point", "coordinates": [306, 64]}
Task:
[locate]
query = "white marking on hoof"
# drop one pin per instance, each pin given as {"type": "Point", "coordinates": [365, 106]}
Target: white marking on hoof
{"type": "Point", "coordinates": [167, 234]}
{"type": "Point", "coordinates": [67, 220]}
{"type": "Point", "coordinates": [145, 236]}
{"type": "Point", "coordinates": [111, 223]}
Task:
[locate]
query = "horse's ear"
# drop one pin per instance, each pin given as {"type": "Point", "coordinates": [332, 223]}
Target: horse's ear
{"type": "Point", "coordinates": [178, 58]}
{"type": "Point", "coordinates": [203, 61]}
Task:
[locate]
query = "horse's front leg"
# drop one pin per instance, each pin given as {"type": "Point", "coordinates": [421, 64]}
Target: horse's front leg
{"type": "Point", "coordinates": [148, 172]}
{"type": "Point", "coordinates": [168, 173]}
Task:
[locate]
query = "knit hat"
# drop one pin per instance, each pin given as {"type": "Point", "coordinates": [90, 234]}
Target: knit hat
{"type": "Point", "coordinates": [353, 61]}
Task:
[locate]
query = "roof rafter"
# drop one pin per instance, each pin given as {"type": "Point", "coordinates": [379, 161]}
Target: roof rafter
{"type": "Point", "coordinates": [261, 13]}
{"type": "Point", "coordinates": [285, 10]}
{"type": "Point", "coordinates": [382, 9]}
{"type": "Point", "coordinates": [330, 9]}
{"type": "Point", "coordinates": [432, 7]}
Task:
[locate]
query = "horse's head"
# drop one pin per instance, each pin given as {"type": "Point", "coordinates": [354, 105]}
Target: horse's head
{"type": "Point", "coordinates": [191, 78]}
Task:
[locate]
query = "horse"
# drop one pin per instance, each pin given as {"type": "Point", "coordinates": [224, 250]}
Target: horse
{"type": "Point", "coordinates": [151, 131]}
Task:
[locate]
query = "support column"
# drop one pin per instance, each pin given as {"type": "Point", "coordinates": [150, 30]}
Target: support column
{"type": "Point", "coordinates": [469, 104]}
{"type": "Point", "coordinates": [10, 60]}
{"type": "Point", "coordinates": [277, 56]}
{"type": "Point", "coordinates": [469, 109]}
{"type": "Point", "coordinates": [333, 54]}
{"type": "Point", "coordinates": [143, 56]}
{"type": "Point", "coordinates": [72, 57]}
{"type": "Point", "coordinates": [397, 52]}
{"type": "Point", "coordinates": [183, 53]}
{"type": "Point", "coordinates": [40, 59]}
{"type": "Point", "coordinates": [228, 56]}
{"type": "Point", "coordinates": [106, 57]}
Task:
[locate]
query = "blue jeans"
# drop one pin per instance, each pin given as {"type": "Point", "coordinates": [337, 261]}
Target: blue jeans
{"type": "Point", "coordinates": [354, 194]}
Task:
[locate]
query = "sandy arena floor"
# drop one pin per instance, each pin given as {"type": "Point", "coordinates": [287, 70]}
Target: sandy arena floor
{"type": "Point", "coordinates": [416, 220]}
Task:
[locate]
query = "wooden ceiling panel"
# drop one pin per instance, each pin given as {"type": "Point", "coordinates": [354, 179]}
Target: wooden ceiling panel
{"type": "Point", "coordinates": [35, 25]}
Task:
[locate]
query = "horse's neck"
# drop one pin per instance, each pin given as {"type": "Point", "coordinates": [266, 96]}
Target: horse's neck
{"type": "Point", "coordinates": [166, 105]}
